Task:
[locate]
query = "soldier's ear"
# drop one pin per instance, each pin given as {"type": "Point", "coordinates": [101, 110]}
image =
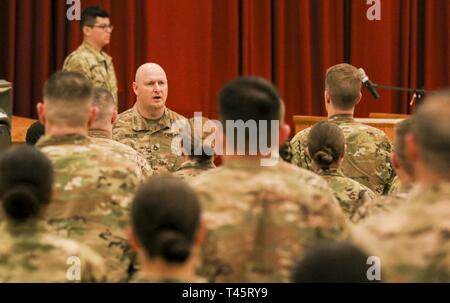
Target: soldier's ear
{"type": "Point", "coordinates": [135, 87]}
{"type": "Point", "coordinates": [132, 240]}
{"type": "Point", "coordinates": [285, 130]}
{"type": "Point", "coordinates": [358, 99]}
{"type": "Point", "coordinates": [114, 117]}
{"type": "Point", "coordinates": [41, 112]}
{"type": "Point", "coordinates": [201, 234]}
{"type": "Point", "coordinates": [394, 161]}
{"type": "Point", "coordinates": [412, 150]}
{"type": "Point", "coordinates": [92, 115]}
{"type": "Point", "coordinates": [86, 31]}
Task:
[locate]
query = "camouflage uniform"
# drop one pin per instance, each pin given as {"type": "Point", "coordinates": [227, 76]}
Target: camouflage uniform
{"type": "Point", "coordinates": [352, 196]}
{"type": "Point", "coordinates": [94, 65]}
{"type": "Point", "coordinates": [192, 168]}
{"type": "Point", "coordinates": [413, 240]}
{"type": "Point", "coordinates": [260, 219]}
{"type": "Point", "coordinates": [151, 138]}
{"type": "Point", "coordinates": [398, 188]}
{"type": "Point", "coordinates": [29, 253]}
{"type": "Point", "coordinates": [99, 137]}
{"type": "Point", "coordinates": [142, 277]}
{"type": "Point", "coordinates": [93, 191]}
{"type": "Point", "coordinates": [367, 160]}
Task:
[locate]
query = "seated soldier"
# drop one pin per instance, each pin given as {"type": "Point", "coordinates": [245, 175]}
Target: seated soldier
{"type": "Point", "coordinates": [93, 186]}
{"type": "Point", "coordinates": [368, 149]}
{"type": "Point", "coordinates": [198, 147]}
{"type": "Point", "coordinates": [28, 251]}
{"type": "Point", "coordinates": [166, 231]}
{"type": "Point", "coordinates": [332, 262]}
{"type": "Point", "coordinates": [326, 147]}
{"type": "Point", "coordinates": [403, 182]}
{"type": "Point", "coordinates": [101, 130]}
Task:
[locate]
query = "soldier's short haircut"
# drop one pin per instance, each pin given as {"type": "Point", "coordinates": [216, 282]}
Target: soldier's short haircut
{"type": "Point", "coordinates": [326, 144]}
{"type": "Point", "coordinates": [343, 83]}
{"type": "Point", "coordinates": [104, 101]}
{"type": "Point", "coordinates": [89, 15]}
{"type": "Point", "coordinates": [165, 217]}
{"type": "Point", "coordinates": [403, 128]}
{"type": "Point", "coordinates": [332, 262]}
{"type": "Point", "coordinates": [68, 97]}
{"type": "Point", "coordinates": [26, 180]}
{"type": "Point", "coordinates": [432, 131]}
{"type": "Point", "coordinates": [247, 99]}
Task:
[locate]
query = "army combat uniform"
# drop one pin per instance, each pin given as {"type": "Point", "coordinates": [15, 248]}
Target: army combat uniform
{"type": "Point", "coordinates": [93, 192]}
{"type": "Point", "coordinates": [367, 160]}
{"type": "Point", "coordinates": [413, 239]}
{"type": "Point", "coordinates": [29, 253]}
{"type": "Point", "coordinates": [260, 219]}
{"type": "Point", "coordinates": [193, 168]}
{"type": "Point", "coordinates": [353, 197]}
{"type": "Point", "coordinates": [94, 65]}
{"type": "Point", "coordinates": [151, 138]}
{"type": "Point", "coordinates": [100, 138]}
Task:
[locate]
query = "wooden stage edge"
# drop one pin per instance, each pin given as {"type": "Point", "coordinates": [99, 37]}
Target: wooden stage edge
{"type": "Point", "coordinates": [20, 126]}
{"type": "Point", "coordinates": [383, 121]}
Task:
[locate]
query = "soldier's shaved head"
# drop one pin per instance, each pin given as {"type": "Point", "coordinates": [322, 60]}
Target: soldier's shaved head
{"type": "Point", "coordinates": [148, 68]}
{"type": "Point", "coordinates": [151, 90]}
{"type": "Point", "coordinates": [68, 98]}
{"type": "Point", "coordinates": [432, 132]}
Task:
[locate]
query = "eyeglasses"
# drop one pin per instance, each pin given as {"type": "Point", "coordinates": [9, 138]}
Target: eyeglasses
{"type": "Point", "coordinates": [103, 26]}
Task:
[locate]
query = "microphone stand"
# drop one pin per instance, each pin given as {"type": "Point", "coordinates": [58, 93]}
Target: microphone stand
{"type": "Point", "coordinates": [417, 93]}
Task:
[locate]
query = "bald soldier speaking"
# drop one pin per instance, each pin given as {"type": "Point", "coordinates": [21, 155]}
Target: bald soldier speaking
{"type": "Point", "coordinates": [149, 126]}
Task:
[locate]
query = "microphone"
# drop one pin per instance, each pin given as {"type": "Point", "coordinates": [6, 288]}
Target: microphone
{"type": "Point", "coordinates": [368, 84]}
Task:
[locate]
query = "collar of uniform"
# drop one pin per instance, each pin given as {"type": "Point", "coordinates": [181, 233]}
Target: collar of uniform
{"type": "Point", "coordinates": [27, 228]}
{"type": "Point", "coordinates": [139, 123]}
{"type": "Point", "coordinates": [341, 117]}
{"type": "Point", "coordinates": [330, 172]}
{"type": "Point", "coordinates": [244, 164]}
{"type": "Point", "coordinates": [98, 133]}
{"type": "Point", "coordinates": [430, 192]}
{"type": "Point", "coordinates": [100, 56]}
{"type": "Point", "coordinates": [196, 164]}
{"type": "Point", "coordinates": [48, 140]}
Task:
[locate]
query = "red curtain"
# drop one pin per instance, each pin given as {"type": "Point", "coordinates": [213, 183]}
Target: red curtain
{"type": "Point", "coordinates": [202, 44]}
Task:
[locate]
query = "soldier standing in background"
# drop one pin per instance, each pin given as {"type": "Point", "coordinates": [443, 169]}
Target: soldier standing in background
{"type": "Point", "coordinates": [367, 159]}
{"type": "Point", "coordinates": [89, 59]}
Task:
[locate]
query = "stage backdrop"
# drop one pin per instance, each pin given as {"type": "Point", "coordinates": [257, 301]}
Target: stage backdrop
{"type": "Point", "coordinates": [202, 44]}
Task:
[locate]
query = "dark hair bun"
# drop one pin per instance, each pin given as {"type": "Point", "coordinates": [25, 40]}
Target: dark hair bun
{"type": "Point", "coordinates": [20, 203]}
{"type": "Point", "coordinates": [173, 245]}
{"type": "Point", "coordinates": [324, 157]}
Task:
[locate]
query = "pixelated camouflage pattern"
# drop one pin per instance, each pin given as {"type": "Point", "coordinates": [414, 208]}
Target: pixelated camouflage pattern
{"type": "Point", "coordinates": [29, 253]}
{"type": "Point", "coordinates": [93, 192]}
{"type": "Point", "coordinates": [151, 138]}
{"type": "Point", "coordinates": [367, 160]}
{"type": "Point", "coordinates": [94, 65]}
{"type": "Point", "coordinates": [413, 239]}
{"type": "Point", "coordinates": [260, 219]}
{"type": "Point", "coordinates": [193, 168]}
{"type": "Point", "coordinates": [99, 137]}
{"type": "Point", "coordinates": [353, 197]}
